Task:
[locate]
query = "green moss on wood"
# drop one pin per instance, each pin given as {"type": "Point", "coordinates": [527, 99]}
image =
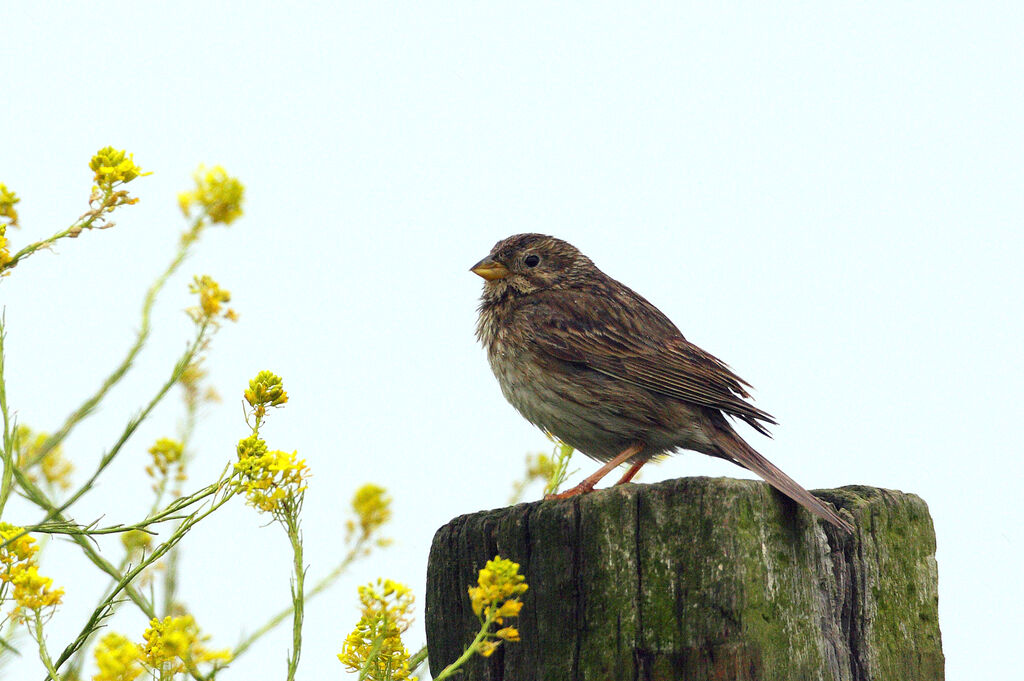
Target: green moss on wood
{"type": "Point", "coordinates": [699, 578]}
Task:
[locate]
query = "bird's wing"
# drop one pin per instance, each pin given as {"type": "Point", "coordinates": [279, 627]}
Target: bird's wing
{"type": "Point", "coordinates": [631, 340]}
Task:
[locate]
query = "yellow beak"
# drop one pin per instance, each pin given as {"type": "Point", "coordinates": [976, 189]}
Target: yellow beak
{"type": "Point", "coordinates": [489, 269]}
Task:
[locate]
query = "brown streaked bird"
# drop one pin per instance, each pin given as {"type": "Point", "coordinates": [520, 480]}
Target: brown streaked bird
{"type": "Point", "coordinates": [585, 358]}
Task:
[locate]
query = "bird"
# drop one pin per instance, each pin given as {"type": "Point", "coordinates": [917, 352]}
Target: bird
{"type": "Point", "coordinates": [593, 363]}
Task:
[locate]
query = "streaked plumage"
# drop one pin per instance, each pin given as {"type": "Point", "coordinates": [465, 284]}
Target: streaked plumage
{"type": "Point", "coordinates": [592, 362]}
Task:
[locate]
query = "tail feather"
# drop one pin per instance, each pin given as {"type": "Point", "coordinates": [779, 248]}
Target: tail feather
{"type": "Point", "coordinates": [739, 452]}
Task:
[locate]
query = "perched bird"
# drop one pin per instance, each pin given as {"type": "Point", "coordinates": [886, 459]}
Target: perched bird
{"type": "Point", "coordinates": [585, 358]}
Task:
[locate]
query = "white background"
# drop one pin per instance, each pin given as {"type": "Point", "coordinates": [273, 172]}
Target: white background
{"type": "Point", "coordinates": [827, 198]}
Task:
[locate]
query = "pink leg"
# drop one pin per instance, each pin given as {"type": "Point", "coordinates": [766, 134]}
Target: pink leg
{"type": "Point", "coordinates": [588, 483]}
{"type": "Point", "coordinates": [633, 470]}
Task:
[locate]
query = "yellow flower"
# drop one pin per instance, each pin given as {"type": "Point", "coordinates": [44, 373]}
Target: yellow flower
{"type": "Point", "coordinates": [8, 217]}
{"type": "Point", "coordinates": [372, 507]}
{"type": "Point", "coordinates": [211, 298]}
{"type": "Point", "coordinates": [55, 467]}
{"type": "Point", "coordinates": [266, 390]}
{"type": "Point", "coordinates": [7, 201]}
{"type": "Point", "coordinates": [269, 479]}
{"type": "Point", "coordinates": [166, 453]}
{"type": "Point", "coordinates": [494, 599]}
{"type": "Point", "coordinates": [376, 642]}
{"type": "Point", "coordinates": [117, 659]}
{"type": "Point", "coordinates": [191, 381]}
{"type": "Point", "coordinates": [136, 541]}
{"type": "Point", "coordinates": [113, 167]}
{"type": "Point", "coordinates": [510, 634]}
{"type": "Point", "coordinates": [174, 643]}
{"type": "Point", "coordinates": [251, 447]}
{"type": "Point", "coordinates": [21, 550]}
{"type": "Point", "coordinates": [5, 249]}
{"type": "Point", "coordinates": [498, 582]}
{"type": "Point", "coordinates": [217, 194]}
{"type": "Point", "coordinates": [539, 466]}
{"type": "Point", "coordinates": [32, 591]}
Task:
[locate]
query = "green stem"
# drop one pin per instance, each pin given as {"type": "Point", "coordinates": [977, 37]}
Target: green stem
{"type": "Point", "coordinates": [7, 481]}
{"type": "Point", "coordinates": [315, 591]}
{"type": "Point", "coordinates": [78, 659]}
{"type": "Point", "coordinates": [36, 495]}
{"type": "Point", "coordinates": [126, 363]}
{"type": "Point", "coordinates": [171, 574]}
{"type": "Point", "coordinates": [298, 594]}
{"type": "Point", "coordinates": [417, 659]}
{"type": "Point", "coordinates": [165, 515]}
{"type": "Point", "coordinates": [83, 223]}
{"type": "Point", "coordinates": [468, 652]}
{"type": "Point", "coordinates": [43, 655]}
{"type": "Point", "coordinates": [133, 424]}
{"type": "Point", "coordinates": [124, 580]}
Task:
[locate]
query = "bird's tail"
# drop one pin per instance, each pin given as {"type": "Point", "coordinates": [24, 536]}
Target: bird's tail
{"type": "Point", "coordinates": [733, 448]}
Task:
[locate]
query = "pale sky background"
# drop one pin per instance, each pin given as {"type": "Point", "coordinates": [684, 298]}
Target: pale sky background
{"type": "Point", "coordinates": [828, 198]}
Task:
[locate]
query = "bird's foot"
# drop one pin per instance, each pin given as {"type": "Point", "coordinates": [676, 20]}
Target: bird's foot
{"type": "Point", "coordinates": [582, 488]}
{"type": "Point", "coordinates": [588, 483]}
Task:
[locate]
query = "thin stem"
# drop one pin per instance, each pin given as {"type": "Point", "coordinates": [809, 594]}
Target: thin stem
{"type": "Point", "coordinates": [468, 652]}
{"type": "Point", "coordinates": [295, 537]}
{"type": "Point", "coordinates": [7, 481]}
{"type": "Point", "coordinates": [78, 659]}
{"type": "Point", "coordinates": [165, 515]}
{"type": "Point", "coordinates": [126, 363]}
{"type": "Point", "coordinates": [315, 591]}
{"type": "Point", "coordinates": [417, 659]}
{"type": "Point", "coordinates": [124, 581]}
{"type": "Point", "coordinates": [83, 223]}
{"type": "Point", "coordinates": [36, 495]}
{"type": "Point", "coordinates": [133, 424]}
{"type": "Point", "coordinates": [171, 574]}
{"type": "Point", "coordinates": [43, 654]}
{"type": "Point", "coordinates": [107, 605]}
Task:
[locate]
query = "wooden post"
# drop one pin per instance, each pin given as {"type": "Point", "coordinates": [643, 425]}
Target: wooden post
{"type": "Point", "coordinates": [698, 578]}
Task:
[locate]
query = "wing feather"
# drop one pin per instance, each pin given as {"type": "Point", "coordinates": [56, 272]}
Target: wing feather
{"type": "Point", "coordinates": [634, 342]}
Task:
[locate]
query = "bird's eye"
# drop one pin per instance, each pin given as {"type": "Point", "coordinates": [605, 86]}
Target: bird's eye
{"type": "Point", "coordinates": [532, 260]}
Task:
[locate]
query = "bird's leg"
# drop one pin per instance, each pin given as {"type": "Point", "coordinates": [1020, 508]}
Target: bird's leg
{"type": "Point", "coordinates": [633, 470]}
{"type": "Point", "coordinates": [588, 483]}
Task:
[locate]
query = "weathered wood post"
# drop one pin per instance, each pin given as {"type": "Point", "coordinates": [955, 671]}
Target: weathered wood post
{"type": "Point", "coordinates": [695, 579]}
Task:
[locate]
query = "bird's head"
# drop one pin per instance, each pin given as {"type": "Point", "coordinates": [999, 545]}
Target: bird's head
{"type": "Point", "coordinates": [525, 263]}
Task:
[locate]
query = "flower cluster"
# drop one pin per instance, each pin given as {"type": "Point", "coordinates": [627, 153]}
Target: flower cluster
{"type": "Point", "coordinates": [495, 599]}
{"type": "Point", "coordinates": [170, 646]}
{"type": "Point", "coordinates": [113, 167]}
{"type": "Point", "coordinates": [558, 468]}
{"type": "Point", "coordinates": [136, 542]}
{"type": "Point", "coordinates": [166, 453]}
{"type": "Point", "coordinates": [56, 469]}
{"type": "Point", "coordinates": [32, 591]}
{"type": "Point", "coordinates": [266, 390]}
{"type": "Point", "coordinates": [372, 507]}
{"type": "Point", "coordinates": [8, 217]}
{"type": "Point", "coordinates": [539, 466]}
{"type": "Point", "coordinates": [375, 645]}
{"type": "Point", "coordinates": [191, 382]}
{"type": "Point", "coordinates": [217, 194]}
{"type": "Point", "coordinates": [173, 645]}
{"type": "Point", "coordinates": [272, 481]}
{"type": "Point", "coordinates": [117, 659]}
{"type": "Point", "coordinates": [269, 479]}
{"type": "Point", "coordinates": [211, 300]}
